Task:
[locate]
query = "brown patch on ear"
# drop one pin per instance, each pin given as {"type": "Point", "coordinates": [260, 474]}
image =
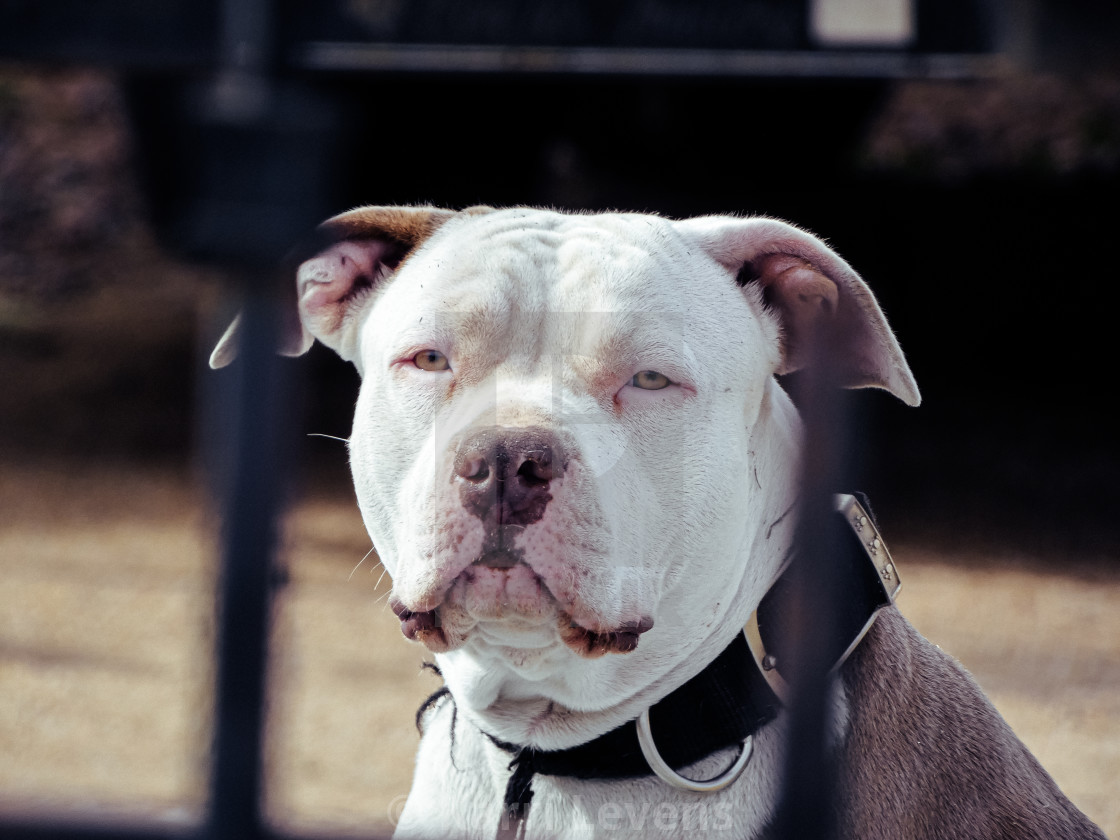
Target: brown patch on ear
{"type": "Point", "coordinates": [806, 299]}
{"type": "Point", "coordinates": [406, 226]}
{"type": "Point", "coordinates": [353, 252]}
{"type": "Point", "coordinates": [402, 227]}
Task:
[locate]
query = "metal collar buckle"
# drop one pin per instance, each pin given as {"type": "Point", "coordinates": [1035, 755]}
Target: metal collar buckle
{"type": "Point", "coordinates": [880, 568]}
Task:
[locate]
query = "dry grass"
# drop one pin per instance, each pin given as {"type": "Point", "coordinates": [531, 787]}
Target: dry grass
{"type": "Point", "coordinates": [106, 629]}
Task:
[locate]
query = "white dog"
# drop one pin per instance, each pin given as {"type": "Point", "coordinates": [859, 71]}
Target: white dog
{"type": "Point", "coordinates": [573, 458]}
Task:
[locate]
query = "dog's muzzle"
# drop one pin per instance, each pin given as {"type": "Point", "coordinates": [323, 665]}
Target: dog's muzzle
{"type": "Point", "coordinates": [504, 476]}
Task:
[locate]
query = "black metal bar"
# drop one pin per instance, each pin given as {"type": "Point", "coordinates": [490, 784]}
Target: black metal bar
{"type": "Point", "coordinates": [174, 35]}
{"type": "Point", "coordinates": [363, 57]}
{"type": "Point", "coordinates": [252, 498]}
{"type": "Point", "coordinates": [92, 827]}
{"type": "Point", "coordinates": [806, 808]}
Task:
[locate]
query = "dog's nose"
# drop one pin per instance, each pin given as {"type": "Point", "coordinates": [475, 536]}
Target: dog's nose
{"type": "Point", "coordinates": [505, 473]}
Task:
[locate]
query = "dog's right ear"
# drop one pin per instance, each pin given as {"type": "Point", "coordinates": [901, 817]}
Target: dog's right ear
{"type": "Point", "coordinates": [816, 296]}
{"type": "Point", "coordinates": [346, 255]}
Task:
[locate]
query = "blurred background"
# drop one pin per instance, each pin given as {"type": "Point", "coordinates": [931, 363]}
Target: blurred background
{"type": "Point", "coordinates": [964, 156]}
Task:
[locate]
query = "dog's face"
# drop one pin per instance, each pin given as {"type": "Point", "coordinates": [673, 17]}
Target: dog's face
{"type": "Point", "coordinates": [556, 446]}
{"type": "Point", "coordinates": [551, 435]}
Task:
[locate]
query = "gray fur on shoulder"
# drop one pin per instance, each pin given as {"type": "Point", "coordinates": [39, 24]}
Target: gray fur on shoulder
{"type": "Point", "coordinates": [928, 756]}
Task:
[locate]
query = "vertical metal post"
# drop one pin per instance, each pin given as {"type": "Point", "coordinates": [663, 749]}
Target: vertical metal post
{"type": "Point", "coordinates": [252, 498]}
{"type": "Point", "coordinates": [806, 809]}
{"type": "Point", "coordinates": [239, 101]}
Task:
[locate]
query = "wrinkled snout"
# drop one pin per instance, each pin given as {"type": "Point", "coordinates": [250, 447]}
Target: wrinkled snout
{"type": "Point", "coordinates": [505, 476]}
{"type": "Point", "coordinates": [517, 560]}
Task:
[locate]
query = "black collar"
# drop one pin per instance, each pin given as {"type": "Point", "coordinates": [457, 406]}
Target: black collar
{"type": "Point", "coordinates": [738, 693]}
{"type": "Point", "coordinates": [717, 708]}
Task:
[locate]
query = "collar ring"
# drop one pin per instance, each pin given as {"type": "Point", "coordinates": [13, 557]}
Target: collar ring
{"type": "Point", "coordinates": [667, 774]}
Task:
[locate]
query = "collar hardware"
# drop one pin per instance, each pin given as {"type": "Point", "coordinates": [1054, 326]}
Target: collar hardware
{"type": "Point", "coordinates": [875, 584]}
{"type": "Point", "coordinates": [667, 774]}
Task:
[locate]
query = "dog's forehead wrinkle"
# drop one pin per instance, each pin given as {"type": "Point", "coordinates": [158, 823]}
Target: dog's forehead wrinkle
{"type": "Point", "coordinates": [582, 257]}
{"type": "Point", "coordinates": [552, 287]}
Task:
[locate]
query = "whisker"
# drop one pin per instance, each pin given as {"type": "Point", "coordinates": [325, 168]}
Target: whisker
{"type": "Point", "coordinates": [328, 437]}
{"type": "Point", "coordinates": [367, 554]}
{"type": "Point", "coordinates": [384, 596]}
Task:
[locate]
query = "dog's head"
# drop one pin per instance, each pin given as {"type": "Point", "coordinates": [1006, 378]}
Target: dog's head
{"type": "Point", "coordinates": [569, 449]}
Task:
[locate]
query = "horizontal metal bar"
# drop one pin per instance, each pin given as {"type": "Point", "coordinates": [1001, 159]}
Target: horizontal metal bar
{"type": "Point", "coordinates": [78, 827]}
{"type": "Point", "coordinates": [168, 35]}
{"type": "Point", "coordinates": [578, 61]}
{"type": "Point", "coordinates": [90, 828]}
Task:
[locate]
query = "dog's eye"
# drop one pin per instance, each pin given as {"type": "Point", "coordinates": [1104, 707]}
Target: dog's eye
{"type": "Point", "coordinates": [432, 360]}
{"type": "Point", "coordinates": [650, 380]}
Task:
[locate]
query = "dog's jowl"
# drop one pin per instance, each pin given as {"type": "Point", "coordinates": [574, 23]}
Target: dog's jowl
{"type": "Point", "coordinates": [572, 456]}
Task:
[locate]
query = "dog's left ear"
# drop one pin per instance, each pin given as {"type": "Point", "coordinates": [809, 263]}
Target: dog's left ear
{"type": "Point", "coordinates": [812, 290]}
{"type": "Point", "coordinates": [351, 251]}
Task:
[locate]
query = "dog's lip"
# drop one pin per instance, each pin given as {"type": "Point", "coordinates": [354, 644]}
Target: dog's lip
{"type": "Point", "coordinates": [414, 623]}
{"type": "Point", "coordinates": [403, 612]}
{"type": "Point", "coordinates": [591, 644]}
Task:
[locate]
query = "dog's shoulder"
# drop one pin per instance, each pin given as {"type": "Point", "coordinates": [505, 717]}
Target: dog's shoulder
{"type": "Point", "coordinates": [927, 755]}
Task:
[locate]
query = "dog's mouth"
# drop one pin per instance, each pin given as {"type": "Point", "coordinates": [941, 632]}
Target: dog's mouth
{"type": "Point", "coordinates": [498, 588]}
{"type": "Point", "coordinates": [498, 559]}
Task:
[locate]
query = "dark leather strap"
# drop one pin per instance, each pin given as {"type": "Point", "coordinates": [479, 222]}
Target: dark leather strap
{"type": "Point", "coordinates": [864, 580]}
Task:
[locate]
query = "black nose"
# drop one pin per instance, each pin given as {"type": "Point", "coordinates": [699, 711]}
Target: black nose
{"type": "Point", "coordinates": [504, 473]}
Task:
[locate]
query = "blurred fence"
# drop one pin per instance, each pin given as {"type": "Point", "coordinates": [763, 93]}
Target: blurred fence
{"type": "Point", "coordinates": [249, 82]}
